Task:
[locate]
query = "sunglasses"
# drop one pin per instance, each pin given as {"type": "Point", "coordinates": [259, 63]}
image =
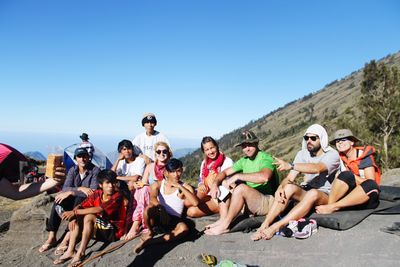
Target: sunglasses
{"type": "Point", "coordinates": [313, 138]}
{"type": "Point", "coordinates": [341, 140]}
{"type": "Point", "coordinates": [164, 151]}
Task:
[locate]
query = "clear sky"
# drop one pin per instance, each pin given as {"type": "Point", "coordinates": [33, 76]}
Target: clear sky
{"type": "Point", "coordinates": [203, 67]}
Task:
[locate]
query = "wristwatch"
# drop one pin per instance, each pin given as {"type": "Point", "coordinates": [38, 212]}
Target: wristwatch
{"type": "Point", "coordinates": [291, 165]}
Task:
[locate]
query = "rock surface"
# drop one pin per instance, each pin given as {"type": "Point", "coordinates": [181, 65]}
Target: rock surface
{"type": "Point", "coordinates": [362, 245]}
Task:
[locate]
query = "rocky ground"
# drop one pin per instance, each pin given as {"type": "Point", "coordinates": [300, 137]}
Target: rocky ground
{"type": "Point", "coordinates": [362, 245]}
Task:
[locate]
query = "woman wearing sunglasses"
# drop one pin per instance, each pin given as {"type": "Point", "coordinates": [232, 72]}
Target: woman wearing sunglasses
{"type": "Point", "coordinates": [214, 162]}
{"type": "Point", "coordinates": [356, 184]}
{"type": "Point", "coordinates": [155, 170]}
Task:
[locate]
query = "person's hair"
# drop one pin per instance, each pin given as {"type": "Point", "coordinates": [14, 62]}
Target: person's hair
{"type": "Point", "coordinates": [125, 143]}
{"type": "Point", "coordinates": [161, 143]}
{"type": "Point", "coordinates": [173, 164]}
{"type": "Point", "coordinates": [107, 175]}
{"type": "Point", "coordinates": [207, 139]}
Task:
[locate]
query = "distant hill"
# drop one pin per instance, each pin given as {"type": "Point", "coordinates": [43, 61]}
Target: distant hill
{"type": "Point", "coordinates": [280, 131]}
{"type": "Point", "coordinates": [178, 153]}
{"type": "Point", "coordinates": [36, 155]}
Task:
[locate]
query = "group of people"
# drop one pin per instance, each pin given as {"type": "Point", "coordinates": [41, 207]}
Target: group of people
{"type": "Point", "coordinates": [143, 193]}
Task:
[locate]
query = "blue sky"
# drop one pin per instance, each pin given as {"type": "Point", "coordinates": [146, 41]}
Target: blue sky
{"type": "Point", "coordinates": [203, 67]}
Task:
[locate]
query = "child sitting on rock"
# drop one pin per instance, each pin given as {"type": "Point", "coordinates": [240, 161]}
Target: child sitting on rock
{"type": "Point", "coordinates": [100, 216]}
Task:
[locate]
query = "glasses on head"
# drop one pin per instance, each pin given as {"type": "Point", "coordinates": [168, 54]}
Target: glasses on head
{"type": "Point", "coordinates": [341, 140]}
{"type": "Point", "coordinates": [164, 151]}
{"type": "Point", "coordinates": [313, 138]}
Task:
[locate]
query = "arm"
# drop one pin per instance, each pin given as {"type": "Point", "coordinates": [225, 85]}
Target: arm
{"type": "Point", "coordinates": [188, 194]}
{"type": "Point", "coordinates": [369, 174]}
{"type": "Point", "coordinates": [69, 215]}
{"type": "Point", "coordinates": [300, 167]}
{"type": "Point", "coordinates": [218, 180]}
{"type": "Point", "coordinates": [154, 190]}
{"type": "Point", "coordinates": [115, 165]}
{"type": "Point", "coordinates": [146, 173]}
{"type": "Point", "coordinates": [25, 191]}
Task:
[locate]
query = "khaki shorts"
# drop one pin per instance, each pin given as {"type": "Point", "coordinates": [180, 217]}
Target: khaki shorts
{"type": "Point", "coordinates": [265, 205]}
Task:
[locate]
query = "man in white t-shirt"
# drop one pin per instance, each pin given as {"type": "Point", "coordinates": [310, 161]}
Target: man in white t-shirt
{"type": "Point", "coordinates": [144, 142]}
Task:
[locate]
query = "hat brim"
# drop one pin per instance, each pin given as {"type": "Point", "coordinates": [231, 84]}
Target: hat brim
{"type": "Point", "coordinates": [251, 141]}
{"type": "Point", "coordinates": [352, 138]}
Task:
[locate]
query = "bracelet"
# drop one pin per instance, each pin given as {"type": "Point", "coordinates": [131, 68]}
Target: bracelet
{"type": "Point", "coordinates": [291, 165]}
{"type": "Point", "coordinates": [76, 212]}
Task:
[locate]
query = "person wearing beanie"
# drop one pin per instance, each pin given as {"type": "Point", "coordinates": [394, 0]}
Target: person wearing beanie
{"type": "Point", "coordinates": [144, 142]}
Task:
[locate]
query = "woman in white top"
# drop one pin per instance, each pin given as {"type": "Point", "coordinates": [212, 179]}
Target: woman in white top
{"type": "Point", "coordinates": [214, 162]}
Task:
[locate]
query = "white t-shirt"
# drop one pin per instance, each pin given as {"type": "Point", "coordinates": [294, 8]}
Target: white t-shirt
{"type": "Point", "coordinates": [136, 167]}
{"type": "Point", "coordinates": [145, 144]}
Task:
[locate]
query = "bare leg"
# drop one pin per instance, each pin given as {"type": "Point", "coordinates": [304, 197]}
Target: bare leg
{"type": "Point", "coordinates": [133, 232]}
{"type": "Point", "coordinates": [355, 197]}
{"type": "Point", "coordinates": [74, 234]}
{"type": "Point", "coordinates": [311, 198]}
{"type": "Point", "coordinates": [241, 195]}
{"type": "Point", "coordinates": [206, 207]}
{"type": "Point", "coordinates": [290, 191]}
{"type": "Point", "coordinates": [87, 232]}
{"type": "Point", "coordinates": [338, 190]}
{"type": "Point", "coordinates": [223, 212]}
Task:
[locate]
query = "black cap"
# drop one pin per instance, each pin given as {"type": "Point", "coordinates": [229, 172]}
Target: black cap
{"type": "Point", "coordinates": [247, 137]}
{"type": "Point", "coordinates": [80, 151]}
{"type": "Point", "coordinates": [84, 136]}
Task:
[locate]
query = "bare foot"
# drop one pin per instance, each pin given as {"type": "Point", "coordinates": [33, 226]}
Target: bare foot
{"type": "Point", "coordinates": [214, 224]}
{"type": "Point", "coordinates": [325, 209]}
{"type": "Point", "coordinates": [269, 233]}
{"type": "Point", "coordinates": [130, 235]}
{"type": "Point", "coordinates": [65, 257]}
{"type": "Point", "coordinates": [144, 239]}
{"type": "Point", "coordinates": [258, 235]}
{"type": "Point", "coordinates": [217, 230]}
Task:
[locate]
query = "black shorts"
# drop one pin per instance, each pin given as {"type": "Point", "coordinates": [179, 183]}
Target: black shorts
{"type": "Point", "coordinates": [369, 186]}
{"type": "Point", "coordinates": [104, 231]}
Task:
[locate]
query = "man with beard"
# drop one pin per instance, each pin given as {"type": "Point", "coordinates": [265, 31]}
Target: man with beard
{"type": "Point", "coordinates": [317, 161]}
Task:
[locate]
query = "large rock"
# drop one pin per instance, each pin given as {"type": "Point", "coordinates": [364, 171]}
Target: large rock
{"type": "Point", "coordinates": [27, 224]}
{"type": "Point", "coordinates": [391, 177]}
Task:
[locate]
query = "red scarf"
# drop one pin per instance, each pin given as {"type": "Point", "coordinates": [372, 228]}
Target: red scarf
{"type": "Point", "coordinates": [159, 171]}
{"type": "Point", "coordinates": [214, 165]}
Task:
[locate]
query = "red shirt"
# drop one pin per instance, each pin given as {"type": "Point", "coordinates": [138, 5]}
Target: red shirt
{"type": "Point", "coordinates": [114, 210]}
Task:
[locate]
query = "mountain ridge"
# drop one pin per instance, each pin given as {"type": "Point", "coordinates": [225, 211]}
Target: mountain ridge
{"type": "Point", "coordinates": [280, 131]}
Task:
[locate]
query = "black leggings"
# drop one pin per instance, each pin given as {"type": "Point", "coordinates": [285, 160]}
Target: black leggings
{"type": "Point", "coordinates": [369, 186]}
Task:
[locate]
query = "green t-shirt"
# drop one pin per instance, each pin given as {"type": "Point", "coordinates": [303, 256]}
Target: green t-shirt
{"type": "Point", "coordinates": [262, 161]}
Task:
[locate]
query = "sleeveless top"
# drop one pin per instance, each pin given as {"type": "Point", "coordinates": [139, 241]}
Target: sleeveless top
{"type": "Point", "coordinates": [172, 203]}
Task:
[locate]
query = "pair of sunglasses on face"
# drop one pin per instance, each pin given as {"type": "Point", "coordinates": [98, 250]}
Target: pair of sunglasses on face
{"type": "Point", "coordinates": [164, 151]}
{"type": "Point", "coordinates": [313, 138]}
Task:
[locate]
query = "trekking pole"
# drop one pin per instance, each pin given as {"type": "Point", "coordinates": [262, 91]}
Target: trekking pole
{"type": "Point", "coordinates": [104, 251]}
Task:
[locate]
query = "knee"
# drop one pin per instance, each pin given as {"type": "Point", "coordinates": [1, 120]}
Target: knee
{"type": "Point", "coordinates": [348, 178]}
{"type": "Point", "coordinates": [312, 195]}
{"type": "Point", "coordinates": [192, 212]}
{"type": "Point", "coordinates": [370, 188]}
{"type": "Point", "coordinates": [290, 189]}
{"type": "Point", "coordinates": [240, 189]}
{"type": "Point", "coordinates": [89, 218]}
{"type": "Point", "coordinates": [182, 228]}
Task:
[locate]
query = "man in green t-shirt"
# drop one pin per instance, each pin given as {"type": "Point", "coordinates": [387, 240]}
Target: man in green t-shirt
{"type": "Point", "coordinates": [253, 180]}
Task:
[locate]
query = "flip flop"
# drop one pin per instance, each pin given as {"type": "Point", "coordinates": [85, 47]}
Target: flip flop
{"type": "Point", "coordinates": [46, 247]}
{"type": "Point", "coordinates": [75, 263]}
{"type": "Point", "coordinates": [61, 261]}
{"type": "Point", "coordinates": [60, 250]}
{"type": "Point", "coordinates": [208, 259]}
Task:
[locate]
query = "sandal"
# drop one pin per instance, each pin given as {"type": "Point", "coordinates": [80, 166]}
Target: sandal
{"type": "Point", "coordinates": [46, 247]}
{"type": "Point", "coordinates": [60, 250]}
{"type": "Point", "coordinates": [60, 261]}
{"type": "Point", "coordinates": [75, 263]}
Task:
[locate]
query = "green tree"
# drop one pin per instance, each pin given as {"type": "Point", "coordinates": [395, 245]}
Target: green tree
{"type": "Point", "coordinates": [380, 103]}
